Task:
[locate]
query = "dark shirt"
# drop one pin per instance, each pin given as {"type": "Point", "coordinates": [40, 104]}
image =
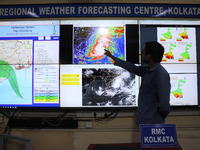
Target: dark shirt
{"type": "Point", "coordinates": [154, 93]}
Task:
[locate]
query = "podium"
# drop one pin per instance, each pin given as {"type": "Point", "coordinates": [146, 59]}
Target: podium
{"type": "Point", "coordinates": [127, 146]}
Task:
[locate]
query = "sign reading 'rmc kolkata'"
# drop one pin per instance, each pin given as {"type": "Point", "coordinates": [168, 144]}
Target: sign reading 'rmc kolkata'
{"type": "Point", "coordinates": [158, 135]}
{"type": "Point", "coordinates": [99, 10]}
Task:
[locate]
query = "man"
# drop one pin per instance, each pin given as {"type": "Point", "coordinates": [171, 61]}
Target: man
{"type": "Point", "coordinates": [154, 94]}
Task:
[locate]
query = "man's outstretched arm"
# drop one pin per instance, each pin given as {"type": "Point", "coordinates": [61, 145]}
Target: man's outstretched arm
{"type": "Point", "coordinates": [107, 53]}
{"type": "Point", "coordinates": [126, 65]}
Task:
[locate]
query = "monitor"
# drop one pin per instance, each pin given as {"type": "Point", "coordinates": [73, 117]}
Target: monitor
{"type": "Point", "coordinates": [88, 78]}
{"type": "Point", "coordinates": [29, 64]}
{"type": "Point", "coordinates": [180, 40]}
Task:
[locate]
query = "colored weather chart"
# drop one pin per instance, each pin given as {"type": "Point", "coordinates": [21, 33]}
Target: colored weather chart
{"type": "Point", "coordinates": [178, 92]}
{"type": "Point", "coordinates": [179, 44]}
{"type": "Point", "coordinates": [90, 42]}
{"type": "Point", "coordinates": [183, 89]}
{"type": "Point", "coordinates": [167, 35]}
{"type": "Point", "coordinates": [15, 84]}
{"type": "Point", "coordinates": [108, 87]}
{"type": "Point", "coordinates": [16, 71]}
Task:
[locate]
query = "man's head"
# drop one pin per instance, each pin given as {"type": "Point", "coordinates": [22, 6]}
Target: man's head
{"type": "Point", "coordinates": [153, 50]}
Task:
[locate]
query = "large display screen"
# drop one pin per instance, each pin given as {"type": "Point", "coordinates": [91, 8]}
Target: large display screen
{"type": "Point", "coordinates": [97, 86]}
{"type": "Point", "coordinates": [88, 78]}
{"type": "Point", "coordinates": [61, 63]}
{"type": "Point", "coordinates": [84, 41]}
{"type": "Point", "coordinates": [29, 64]}
{"type": "Point", "coordinates": [180, 40]}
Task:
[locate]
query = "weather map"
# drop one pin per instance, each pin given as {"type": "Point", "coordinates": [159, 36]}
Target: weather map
{"type": "Point", "coordinates": [183, 89]}
{"type": "Point", "coordinates": [90, 42]}
{"type": "Point", "coordinates": [16, 51]}
{"type": "Point", "coordinates": [15, 63]}
{"type": "Point", "coordinates": [22, 45]}
{"type": "Point", "coordinates": [8, 72]}
{"type": "Point", "coordinates": [108, 87]}
{"type": "Point", "coordinates": [15, 84]}
{"type": "Point", "coordinates": [178, 92]}
{"type": "Point", "coordinates": [179, 44]}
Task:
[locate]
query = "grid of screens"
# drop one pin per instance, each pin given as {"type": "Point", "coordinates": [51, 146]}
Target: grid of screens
{"type": "Point", "coordinates": [61, 64]}
{"type": "Point", "coordinates": [93, 80]}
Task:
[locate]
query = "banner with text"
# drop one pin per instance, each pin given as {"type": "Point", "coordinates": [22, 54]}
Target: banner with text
{"type": "Point", "coordinates": [99, 10]}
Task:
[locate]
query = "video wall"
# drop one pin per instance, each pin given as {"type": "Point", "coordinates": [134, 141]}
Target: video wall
{"type": "Point", "coordinates": [61, 64]}
{"type": "Point", "coordinates": [88, 78]}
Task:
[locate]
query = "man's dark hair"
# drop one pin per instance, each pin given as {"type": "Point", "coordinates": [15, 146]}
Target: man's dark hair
{"type": "Point", "coordinates": [155, 49]}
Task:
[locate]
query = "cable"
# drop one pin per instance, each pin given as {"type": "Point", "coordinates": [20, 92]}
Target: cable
{"type": "Point", "coordinates": [5, 113]}
{"type": "Point", "coordinates": [10, 117]}
{"type": "Point", "coordinates": [60, 117]}
{"type": "Point", "coordinates": [107, 117]}
{"type": "Point", "coordinates": [52, 124]}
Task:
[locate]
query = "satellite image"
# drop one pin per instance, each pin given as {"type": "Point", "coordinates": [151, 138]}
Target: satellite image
{"type": "Point", "coordinates": [90, 42]}
{"type": "Point", "coordinates": [108, 87]}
